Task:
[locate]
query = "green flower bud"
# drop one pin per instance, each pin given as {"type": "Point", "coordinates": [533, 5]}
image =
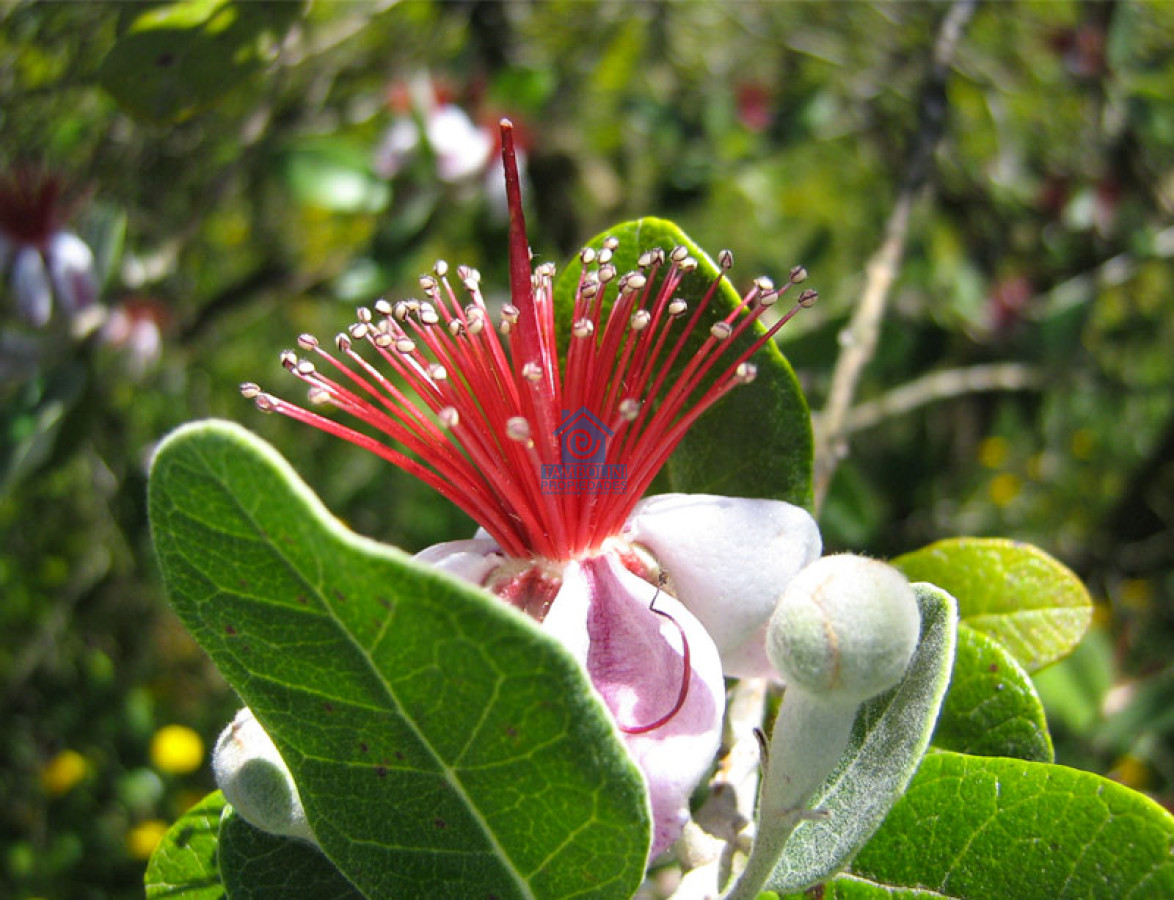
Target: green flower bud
{"type": "Point", "coordinates": [845, 629]}
{"type": "Point", "coordinates": [255, 780]}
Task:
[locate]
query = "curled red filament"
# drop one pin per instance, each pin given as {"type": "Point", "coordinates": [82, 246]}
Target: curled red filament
{"type": "Point", "coordinates": [683, 693]}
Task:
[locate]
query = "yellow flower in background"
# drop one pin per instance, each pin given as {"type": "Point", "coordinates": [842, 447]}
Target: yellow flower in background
{"type": "Point", "coordinates": [176, 750]}
{"type": "Point", "coordinates": [993, 451]}
{"type": "Point", "coordinates": [63, 772]}
{"type": "Point", "coordinates": [1004, 488]}
{"type": "Point", "coordinates": [142, 840]}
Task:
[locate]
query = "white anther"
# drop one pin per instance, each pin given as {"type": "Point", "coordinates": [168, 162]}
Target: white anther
{"type": "Point", "coordinates": [587, 256]}
{"type": "Point", "coordinates": [604, 256]}
{"type": "Point", "coordinates": [636, 281]}
{"type": "Point", "coordinates": [510, 313]}
{"type": "Point", "coordinates": [249, 390]}
{"type": "Point", "coordinates": [305, 367]}
{"type": "Point", "coordinates": [438, 372]}
{"type": "Point", "coordinates": [383, 307]}
{"type": "Point", "coordinates": [677, 307]}
{"type": "Point", "coordinates": [629, 409]}
{"type": "Point", "coordinates": [807, 298]}
{"type": "Point", "coordinates": [583, 328]}
{"type": "Point", "coordinates": [746, 372]}
{"type": "Point", "coordinates": [358, 331]}
{"type": "Point", "coordinates": [644, 260]}
{"type": "Point", "coordinates": [449, 417]}
{"type": "Point", "coordinates": [611, 242]}
{"type": "Point", "coordinates": [441, 268]}
{"type": "Point", "coordinates": [640, 319]}
{"type": "Point", "coordinates": [517, 429]}
{"type": "Point", "coordinates": [606, 273]}
{"type": "Point", "coordinates": [405, 345]}
{"type": "Point", "coordinates": [428, 314]}
{"type": "Point", "coordinates": [798, 275]}
{"type": "Point", "coordinates": [383, 340]}
{"type": "Point", "coordinates": [342, 342]}
{"type": "Point", "coordinates": [721, 330]}
{"type": "Point", "coordinates": [679, 254]}
{"type": "Point", "coordinates": [532, 372]}
{"type": "Point", "coordinates": [307, 341]}
{"type": "Point", "coordinates": [288, 358]}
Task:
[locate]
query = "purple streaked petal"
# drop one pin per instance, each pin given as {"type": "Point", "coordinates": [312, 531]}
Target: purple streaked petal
{"type": "Point", "coordinates": [71, 267]}
{"type": "Point", "coordinates": [636, 660]}
{"type": "Point", "coordinates": [30, 283]}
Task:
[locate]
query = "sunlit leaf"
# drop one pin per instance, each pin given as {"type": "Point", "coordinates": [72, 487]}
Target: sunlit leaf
{"type": "Point", "coordinates": [984, 827]}
{"type": "Point", "coordinates": [184, 865]}
{"type": "Point", "coordinates": [176, 58]}
{"type": "Point", "coordinates": [1022, 597]}
{"type": "Point", "coordinates": [992, 708]}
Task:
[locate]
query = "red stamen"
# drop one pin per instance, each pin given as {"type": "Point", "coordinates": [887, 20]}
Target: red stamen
{"type": "Point", "coordinates": [473, 409]}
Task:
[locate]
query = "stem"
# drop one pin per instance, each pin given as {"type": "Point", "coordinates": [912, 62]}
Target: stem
{"type": "Point", "coordinates": [810, 736]}
{"type": "Point", "coordinates": [861, 334]}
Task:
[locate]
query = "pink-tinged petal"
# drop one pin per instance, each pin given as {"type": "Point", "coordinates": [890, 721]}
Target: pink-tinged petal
{"type": "Point", "coordinates": [727, 560]}
{"type": "Point", "coordinates": [30, 283]}
{"type": "Point", "coordinates": [462, 149]}
{"type": "Point", "coordinates": [637, 661]}
{"type": "Point", "coordinates": [71, 266]}
{"type": "Point", "coordinates": [473, 560]}
{"type": "Point", "coordinates": [396, 146]}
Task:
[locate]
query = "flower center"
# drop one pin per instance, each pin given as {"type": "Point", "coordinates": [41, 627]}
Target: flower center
{"type": "Point", "coordinates": [488, 409]}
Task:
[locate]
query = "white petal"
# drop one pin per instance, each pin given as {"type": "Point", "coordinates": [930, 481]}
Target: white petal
{"type": "Point", "coordinates": [71, 266]}
{"type": "Point", "coordinates": [461, 147]}
{"type": "Point", "coordinates": [473, 560]}
{"type": "Point", "coordinates": [728, 560]}
{"type": "Point", "coordinates": [397, 144]}
{"type": "Point", "coordinates": [30, 283]}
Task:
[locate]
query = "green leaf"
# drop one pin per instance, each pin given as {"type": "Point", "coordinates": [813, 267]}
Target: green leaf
{"type": "Point", "coordinates": [983, 827]}
{"type": "Point", "coordinates": [177, 58]}
{"type": "Point", "coordinates": [852, 887]}
{"type": "Point", "coordinates": [891, 734]}
{"type": "Point", "coordinates": [441, 742]}
{"type": "Point", "coordinates": [992, 708]}
{"type": "Point", "coordinates": [335, 174]}
{"type": "Point", "coordinates": [1027, 601]}
{"type": "Point", "coordinates": [256, 865]}
{"type": "Point", "coordinates": [184, 864]}
{"type": "Point", "coordinates": [757, 441]}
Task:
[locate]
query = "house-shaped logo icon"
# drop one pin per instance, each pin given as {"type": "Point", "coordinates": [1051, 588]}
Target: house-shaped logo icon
{"type": "Point", "coordinates": [582, 438]}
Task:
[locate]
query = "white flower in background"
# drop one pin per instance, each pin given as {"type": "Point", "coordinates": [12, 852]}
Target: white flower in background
{"type": "Point", "coordinates": [42, 260]}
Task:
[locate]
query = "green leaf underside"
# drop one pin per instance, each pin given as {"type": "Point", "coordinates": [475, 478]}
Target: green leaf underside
{"type": "Point", "coordinates": [983, 827]}
{"type": "Point", "coordinates": [443, 745]}
{"type": "Point", "coordinates": [756, 442]}
{"type": "Point", "coordinates": [891, 733]}
{"type": "Point", "coordinates": [178, 58]}
{"type": "Point", "coordinates": [992, 708]}
{"type": "Point", "coordinates": [1016, 593]}
{"type": "Point", "coordinates": [256, 865]}
{"type": "Point", "coordinates": [184, 865]}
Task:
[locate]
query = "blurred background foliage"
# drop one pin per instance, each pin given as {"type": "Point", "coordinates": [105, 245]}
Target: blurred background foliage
{"type": "Point", "coordinates": [243, 172]}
